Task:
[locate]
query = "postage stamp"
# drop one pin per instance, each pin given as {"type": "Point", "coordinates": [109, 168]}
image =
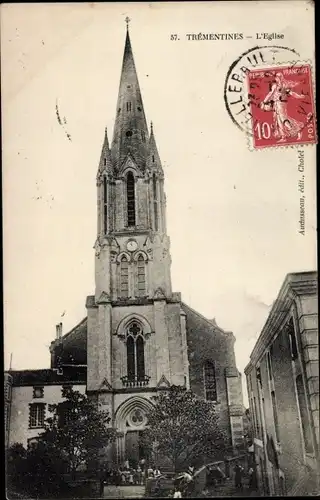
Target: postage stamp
{"type": "Point", "coordinates": [282, 107]}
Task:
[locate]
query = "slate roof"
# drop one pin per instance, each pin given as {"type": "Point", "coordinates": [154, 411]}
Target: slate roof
{"type": "Point", "coordinates": [47, 376]}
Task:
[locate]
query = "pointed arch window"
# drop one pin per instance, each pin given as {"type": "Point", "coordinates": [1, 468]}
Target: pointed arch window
{"type": "Point", "coordinates": [135, 353]}
{"type": "Point", "coordinates": [210, 386]}
{"type": "Point", "coordinates": [155, 202]}
{"type": "Point", "coordinates": [131, 203]}
{"type": "Point", "coordinates": [141, 276]}
{"type": "Point", "coordinates": [129, 106]}
{"type": "Point", "coordinates": [124, 277]}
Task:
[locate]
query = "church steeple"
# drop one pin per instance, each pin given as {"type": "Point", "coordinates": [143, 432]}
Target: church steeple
{"type": "Point", "coordinates": [130, 135]}
{"type": "Point", "coordinates": [132, 246]}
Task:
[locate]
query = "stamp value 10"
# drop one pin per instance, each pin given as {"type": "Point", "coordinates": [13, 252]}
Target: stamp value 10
{"type": "Point", "coordinates": [281, 106]}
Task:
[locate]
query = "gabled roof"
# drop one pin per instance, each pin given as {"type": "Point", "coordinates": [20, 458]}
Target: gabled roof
{"type": "Point", "coordinates": [72, 347]}
{"type": "Point", "coordinates": [211, 324]}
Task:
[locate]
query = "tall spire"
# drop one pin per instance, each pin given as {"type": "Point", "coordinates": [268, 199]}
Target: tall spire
{"type": "Point", "coordinates": [130, 135]}
{"type": "Point", "coordinates": [105, 163]}
{"type": "Point", "coordinates": [153, 158]}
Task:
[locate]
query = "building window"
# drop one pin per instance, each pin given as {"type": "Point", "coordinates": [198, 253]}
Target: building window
{"type": "Point", "coordinates": [155, 202]}
{"type": "Point", "coordinates": [105, 204]}
{"type": "Point", "coordinates": [128, 106]}
{"type": "Point", "coordinates": [143, 136]}
{"type": "Point", "coordinates": [36, 415]}
{"type": "Point", "coordinates": [131, 205]}
{"type": "Point", "coordinates": [135, 353]}
{"type": "Point", "coordinates": [210, 387]}
{"type": "Point", "coordinates": [141, 282]}
{"type": "Point", "coordinates": [258, 375]}
{"type": "Point", "coordinates": [282, 487]}
{"type": "Point", "coordinates": [306, 430]}
{"type": "Point", "coordinates": [292, 339]}
{"type": "Point", "coordinates": [254, 417]}
{"type": "Point", "coordinates": [275, 415]}
{"type": "Point", "coordinates": [124, 277]}
{"type": "Point", "coordinates": [38, 392]}
{"type": "Point", "coordinates": [152, 158]}
{"type": "Point", "coordinates": [257, 417]}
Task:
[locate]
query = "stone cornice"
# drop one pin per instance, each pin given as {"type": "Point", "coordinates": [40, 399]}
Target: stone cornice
{"type": "Point", "coordinates": [129, 390]}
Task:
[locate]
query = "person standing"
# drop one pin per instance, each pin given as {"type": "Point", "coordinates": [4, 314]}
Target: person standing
{"type": "Point", "coordinates": [238, 475]}
{"type": "Point", "coordinates": [252, 479]}
{"type": "Point", "coordinates": [157, 472]}
{"type": "Point", "coordinates": [143, 476]}
{"type": "Point", "coordinates": [139, 474]}
{"type": "Point", "coordinates": [177, 493]}
{"type": "Point", "coordinates": [131, 481]}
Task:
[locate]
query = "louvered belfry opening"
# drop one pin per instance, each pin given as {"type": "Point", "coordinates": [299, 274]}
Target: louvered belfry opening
{"type": "Point", "coordinates": [131, 205]}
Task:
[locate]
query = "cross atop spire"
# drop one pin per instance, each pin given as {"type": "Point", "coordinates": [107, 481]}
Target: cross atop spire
{"type": "Point", "coordinates": [127, 20]}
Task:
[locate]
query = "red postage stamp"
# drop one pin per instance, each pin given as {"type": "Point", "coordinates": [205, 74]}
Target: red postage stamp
{"type": "Point", "coordinates": [281, 106]}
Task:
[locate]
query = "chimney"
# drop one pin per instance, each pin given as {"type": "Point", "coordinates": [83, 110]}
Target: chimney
{"type": "Point", "coordinates": [59, 331]}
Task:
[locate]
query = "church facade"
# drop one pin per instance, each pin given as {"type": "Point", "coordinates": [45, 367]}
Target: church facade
{"type": "Point", "coordinates": [138, 336]}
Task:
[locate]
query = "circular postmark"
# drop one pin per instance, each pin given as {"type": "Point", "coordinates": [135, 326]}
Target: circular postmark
{"type": "Point", "coordinates": [235, 100]}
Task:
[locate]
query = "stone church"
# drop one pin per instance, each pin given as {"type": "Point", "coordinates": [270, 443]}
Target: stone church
{"type": "Point", "coordinates": [138, 336]}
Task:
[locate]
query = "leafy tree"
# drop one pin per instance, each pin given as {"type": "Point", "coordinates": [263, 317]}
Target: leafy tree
{"type": "Point", "coordinates": [78, 429]}
{"type": "Point", "coordinates": [35, 472]}
{"type": "Point", "coordinates": [73, 436]}
{"type": "Point", "coordinates": [15, 460]}
{"type": "Point", "coordinates": [183, 426]}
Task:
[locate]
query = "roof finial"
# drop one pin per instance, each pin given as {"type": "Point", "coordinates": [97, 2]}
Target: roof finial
{"type": "Point", "coordinates": [151, 127]}
{"type": "Point", "coordinates": [127, 20]}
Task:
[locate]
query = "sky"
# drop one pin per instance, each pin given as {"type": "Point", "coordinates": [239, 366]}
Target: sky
{"type": "Point", "coordinates": [232, 213]}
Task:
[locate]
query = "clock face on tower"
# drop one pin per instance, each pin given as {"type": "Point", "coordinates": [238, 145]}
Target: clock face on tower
{"type": "Point", "coordinates": [132, 245]}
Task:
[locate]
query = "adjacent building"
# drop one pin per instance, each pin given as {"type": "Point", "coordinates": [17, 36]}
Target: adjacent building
{"type": "Point", "coordinates": [283, 389]}
{"type": "Point", "coordinates": [138, 336]}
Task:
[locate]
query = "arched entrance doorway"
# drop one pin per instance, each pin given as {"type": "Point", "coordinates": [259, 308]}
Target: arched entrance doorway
{"type": "Point", "coordinates": [131, 421]}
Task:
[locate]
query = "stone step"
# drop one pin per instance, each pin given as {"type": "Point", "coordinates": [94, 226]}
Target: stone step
{"type": "Point", "coordinates": [123, 491]}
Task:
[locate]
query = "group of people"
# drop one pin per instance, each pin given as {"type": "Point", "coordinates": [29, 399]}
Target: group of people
{"type": "Point", "coordinates": [129, 475]}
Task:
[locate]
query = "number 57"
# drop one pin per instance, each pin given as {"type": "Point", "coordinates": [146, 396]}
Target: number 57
{"type": "Point", "coordinates": [173, 37]}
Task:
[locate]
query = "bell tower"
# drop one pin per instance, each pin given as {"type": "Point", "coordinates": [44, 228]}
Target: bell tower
{"type": "Point", "coordinates": [136, 328]}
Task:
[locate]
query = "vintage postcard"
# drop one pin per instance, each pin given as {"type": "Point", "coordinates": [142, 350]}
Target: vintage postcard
{"type": "Point", "coordinates": [160, 273]}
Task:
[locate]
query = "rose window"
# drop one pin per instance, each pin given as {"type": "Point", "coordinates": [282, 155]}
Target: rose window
{"type": "Point", "coordinates": [137, 418]}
